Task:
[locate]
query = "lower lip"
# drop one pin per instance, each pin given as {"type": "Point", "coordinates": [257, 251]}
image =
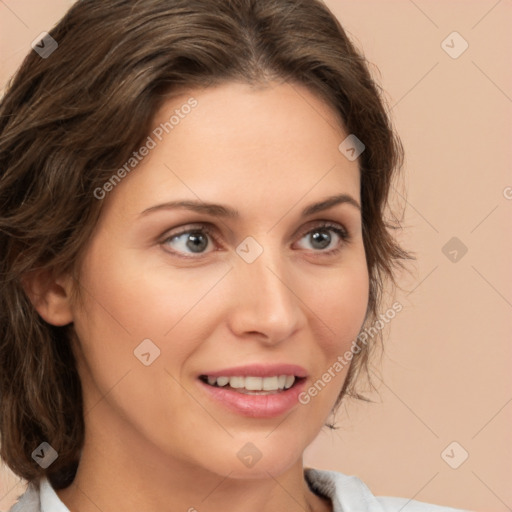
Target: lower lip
{"type": "Point", "coordinates": [256, 406]}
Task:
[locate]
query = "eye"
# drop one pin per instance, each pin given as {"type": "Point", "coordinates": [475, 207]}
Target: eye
{"type": "Point", "coordinates": [195, 240]}
{"type": "Point", "coordinates": [321, 237]}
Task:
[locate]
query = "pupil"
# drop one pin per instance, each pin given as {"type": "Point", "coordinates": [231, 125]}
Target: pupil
{"type": "Point", "coordinates": [196, 241]}
{"type": "Point", "coordinates": [319, 236]}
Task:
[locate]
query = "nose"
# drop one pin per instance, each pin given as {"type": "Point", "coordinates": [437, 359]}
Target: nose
{"type": "Point", "coordinates": [265, 305]}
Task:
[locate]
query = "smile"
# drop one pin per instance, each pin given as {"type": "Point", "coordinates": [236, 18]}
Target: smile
{"type": "Point", "coordinates": [252, 384]}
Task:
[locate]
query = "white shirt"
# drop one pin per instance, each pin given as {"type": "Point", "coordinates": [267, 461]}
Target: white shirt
{"type": "Point", "coordinates": [347, 494]}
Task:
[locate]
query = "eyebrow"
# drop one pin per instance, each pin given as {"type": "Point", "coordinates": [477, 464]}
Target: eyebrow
{"type": "Point", "coordinates": [219, 210]}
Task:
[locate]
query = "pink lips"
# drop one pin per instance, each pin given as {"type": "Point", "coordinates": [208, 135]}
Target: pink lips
{"type": "Point", "coordinates": [257, 406]}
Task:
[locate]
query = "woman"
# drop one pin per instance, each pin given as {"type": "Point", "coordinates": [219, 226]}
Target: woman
{"type": "Point", "coordinates": [192, 236]}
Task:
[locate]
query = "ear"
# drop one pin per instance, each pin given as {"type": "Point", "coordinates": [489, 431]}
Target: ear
{"type": "Point", "coordinates": [51, 296]}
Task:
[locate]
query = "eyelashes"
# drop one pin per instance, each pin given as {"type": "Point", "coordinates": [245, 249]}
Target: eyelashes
{"type": "Point", "coordinates": [338, 229]}
{"type": "Point", "coordinates": [199, 235]}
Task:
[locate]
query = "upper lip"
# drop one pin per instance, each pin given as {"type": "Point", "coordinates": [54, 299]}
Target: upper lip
{"type": "Point", "coordinates": [259, 370]}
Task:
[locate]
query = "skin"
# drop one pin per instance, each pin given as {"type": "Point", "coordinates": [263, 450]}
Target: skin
{"type": "Point", "coordinates": [152, 433]}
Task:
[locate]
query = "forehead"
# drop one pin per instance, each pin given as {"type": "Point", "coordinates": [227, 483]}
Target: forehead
{"type": "Point", "coordinates": [250, 146]}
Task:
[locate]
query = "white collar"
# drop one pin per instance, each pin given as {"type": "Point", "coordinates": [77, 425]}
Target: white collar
{"type": "Point", "coordinates": [326, 483]}
{"type": "Point", "coordinates": [50, 501]}
{"type": "Point", "coordinates": [347, 493]}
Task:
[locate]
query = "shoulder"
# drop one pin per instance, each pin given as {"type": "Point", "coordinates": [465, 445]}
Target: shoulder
{"type": "Point", "coordinates": [29, 501]}
{"type": "Point", "coordinates": [391, 504]}
{"type": "Point", "coordinates": [350, 494]}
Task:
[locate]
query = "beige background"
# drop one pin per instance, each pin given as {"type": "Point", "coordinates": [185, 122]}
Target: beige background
{"type": "Point", "coordinates": [446, 370]}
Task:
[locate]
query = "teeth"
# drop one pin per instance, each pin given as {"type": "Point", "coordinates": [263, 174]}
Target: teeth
{"type": "Point", "coordinates": [253, 383]}
{"type": "Point", "coordinates": [290, 379]}
{"type": "Point", "coordinates": [236, 382]}
{"type": "Point", "coordinates": [222, 381]}
{"type": "Point", "coordinates": [250, 383]}
{"type": "Point", "coordinates": [270, 383]}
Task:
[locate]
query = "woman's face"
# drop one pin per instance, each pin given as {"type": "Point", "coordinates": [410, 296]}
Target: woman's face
{"type": "Point", "coordinates": [173, 295]}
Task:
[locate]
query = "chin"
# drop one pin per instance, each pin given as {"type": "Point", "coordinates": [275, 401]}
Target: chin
{"type": "Point", "coordinates": [258, 459]}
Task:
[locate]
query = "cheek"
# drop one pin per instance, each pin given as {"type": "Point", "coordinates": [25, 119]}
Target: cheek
{"type": "Point", "coordinates": [341, 305]}
{"type": "Point", "coordinates": [130, 299]}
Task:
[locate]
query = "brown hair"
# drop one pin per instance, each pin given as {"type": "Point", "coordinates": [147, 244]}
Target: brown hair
{"type": "Point", "coordinates": [68, 121]}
